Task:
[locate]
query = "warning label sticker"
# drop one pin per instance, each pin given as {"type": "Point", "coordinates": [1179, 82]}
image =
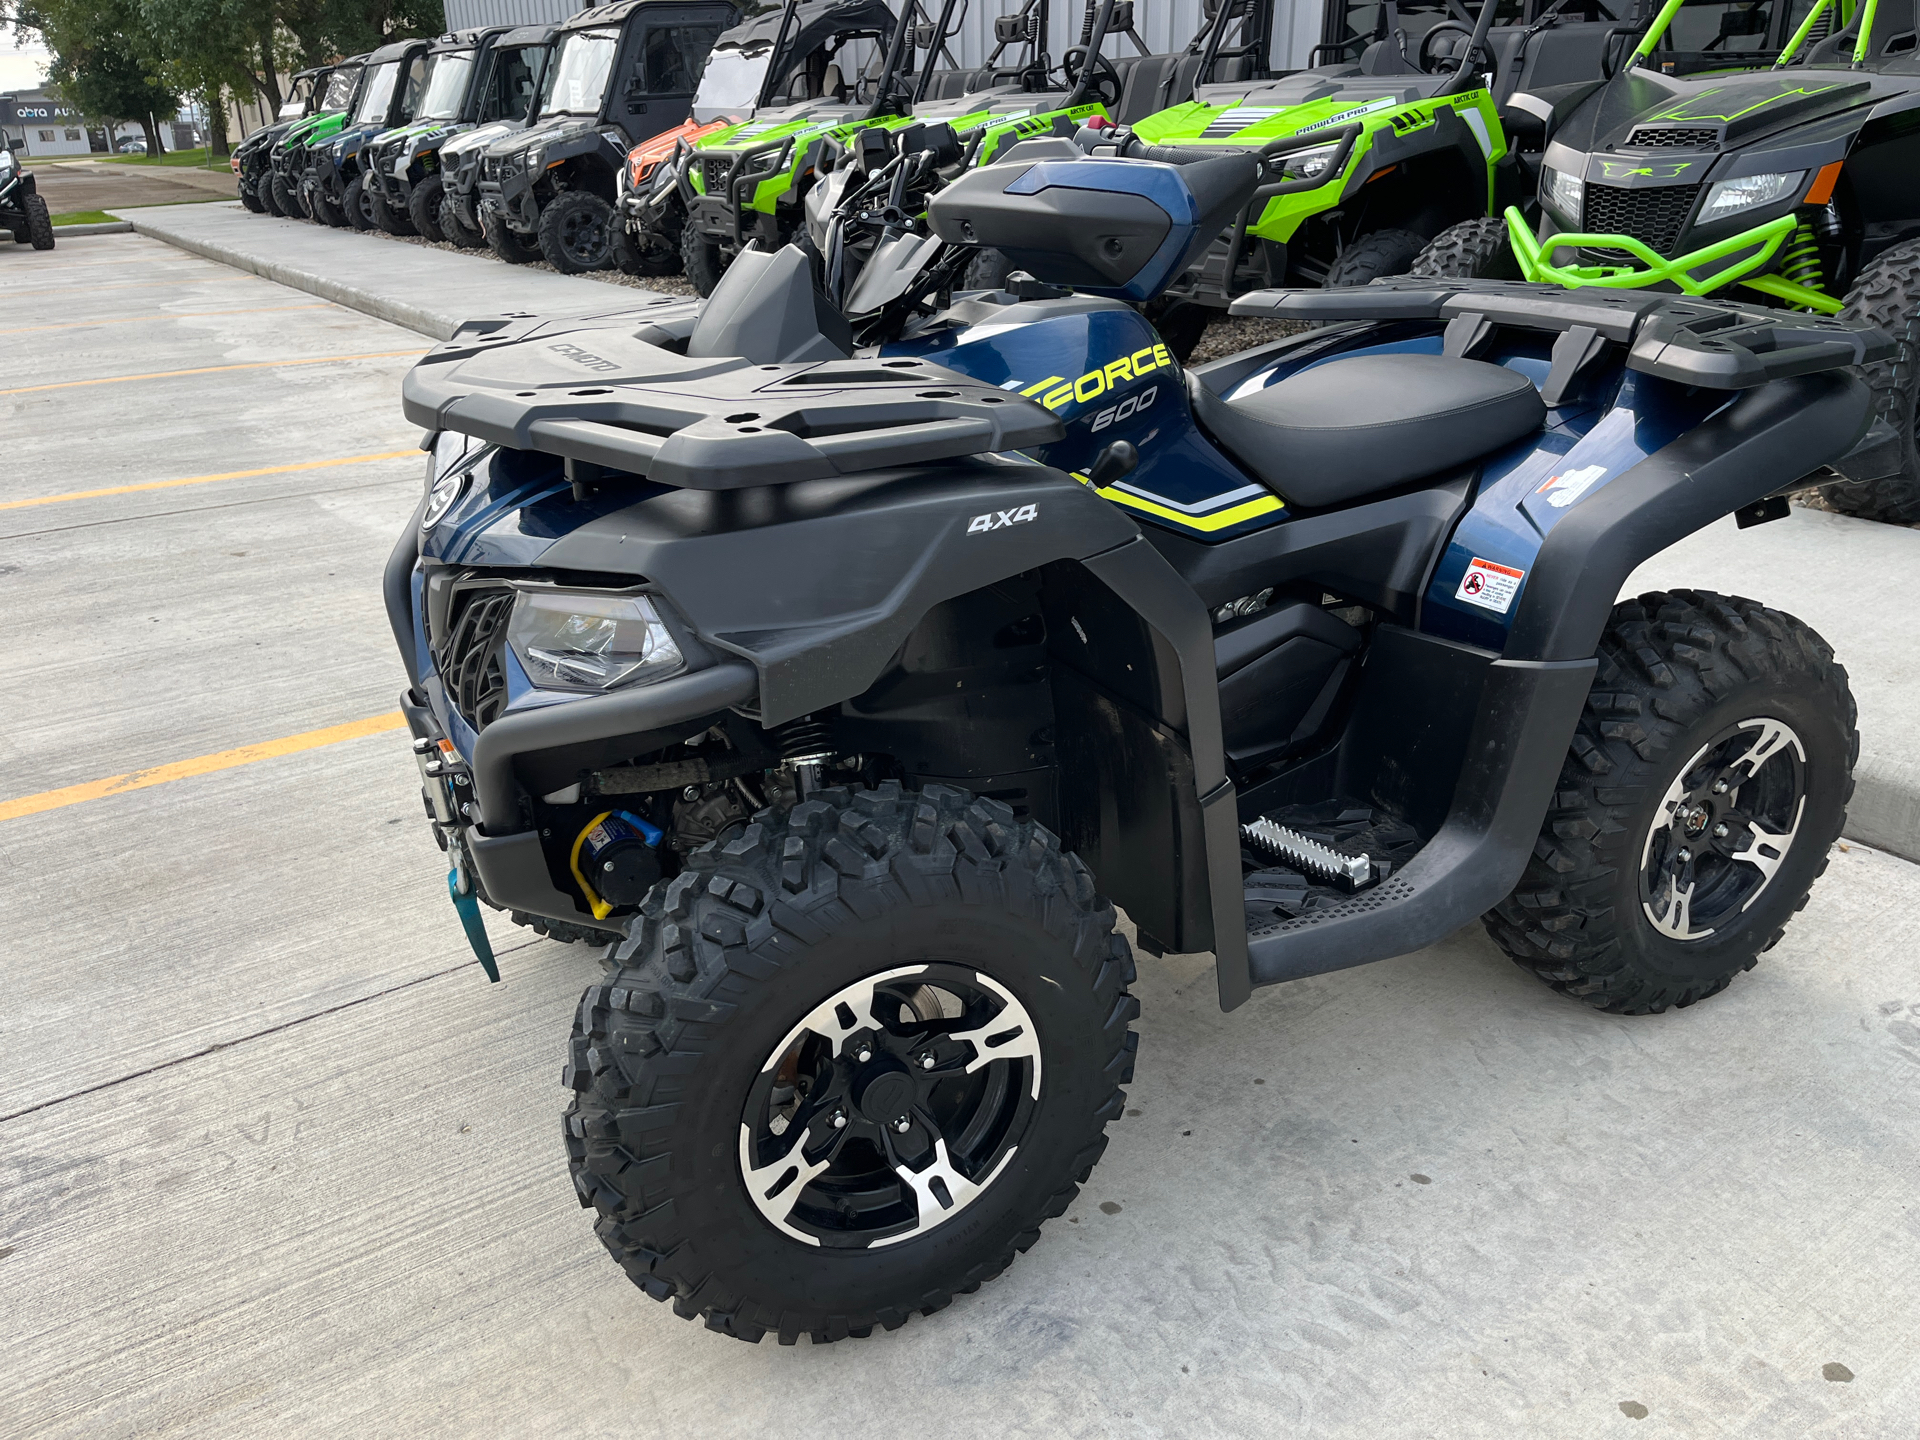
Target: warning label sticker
{"type": "Point", "coordinates": [1569, 487]}
{"type": "Point", "coordinates": [1490, 586]}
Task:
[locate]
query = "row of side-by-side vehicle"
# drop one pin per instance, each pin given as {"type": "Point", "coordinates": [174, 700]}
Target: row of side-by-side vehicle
{"type": "Point", "coordinates": [655, 136]}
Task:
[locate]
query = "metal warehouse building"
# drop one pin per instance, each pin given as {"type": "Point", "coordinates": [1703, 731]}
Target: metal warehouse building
{"type": "Point", "coordinates": [1165, 25]}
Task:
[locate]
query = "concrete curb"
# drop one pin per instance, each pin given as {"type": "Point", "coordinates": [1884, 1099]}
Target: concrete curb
{"type": "Point", "coordinates": [425, 290]}
{"type": "Point", "coordinates": [105, 227]}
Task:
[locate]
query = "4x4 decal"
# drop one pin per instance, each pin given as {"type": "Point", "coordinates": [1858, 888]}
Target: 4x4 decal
{"type": "Point", "coordinates": [1000, 519]}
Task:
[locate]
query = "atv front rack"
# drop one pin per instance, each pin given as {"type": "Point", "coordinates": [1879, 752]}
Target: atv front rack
{"type": "Point", "coordinates": [593, 391]}
{"type": "Point", "coordinates": [1714, 343]}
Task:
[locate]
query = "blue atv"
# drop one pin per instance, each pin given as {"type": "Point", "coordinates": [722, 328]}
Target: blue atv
{"type": "Point", "coordinates": [850, 663]}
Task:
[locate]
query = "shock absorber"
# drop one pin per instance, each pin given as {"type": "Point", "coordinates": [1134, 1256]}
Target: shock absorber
{"type": "Point", "coordinates": [806, 744]}
{"type": "Point", "coordinates": [1800, 261]}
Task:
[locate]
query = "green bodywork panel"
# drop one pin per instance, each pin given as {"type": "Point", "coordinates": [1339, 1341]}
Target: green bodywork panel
{"type": "Point", "coordinates": [1213, 126]}
{"type": "Point", "coordinates": [315, 129]}
{"type": "Point", "coordinates": [1000, 121]}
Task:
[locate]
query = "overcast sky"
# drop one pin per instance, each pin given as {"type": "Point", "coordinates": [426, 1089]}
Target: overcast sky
{"type": "Point", "coordinates": [22, 66]}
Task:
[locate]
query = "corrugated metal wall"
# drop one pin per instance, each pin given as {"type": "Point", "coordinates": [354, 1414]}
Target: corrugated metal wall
{"type": "Point", "coordinates": [1165, 25]}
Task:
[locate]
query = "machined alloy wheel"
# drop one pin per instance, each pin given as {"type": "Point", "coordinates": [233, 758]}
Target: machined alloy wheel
{"type": "Point", "coordinates": [1723, 829]}
{"type": "Point", "coordinates": [890, 1107]}
{"type": "Point", "coordinates": [1704, 785]}
{"type": "Point", "coordinates": [848, 1061]}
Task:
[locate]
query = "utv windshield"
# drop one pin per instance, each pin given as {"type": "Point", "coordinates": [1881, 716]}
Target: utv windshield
{"type": "Point", "coordinates": [732, 81]}
{"type": "Point", "coordinates": [379, 91]}
{"type": "Point", "coordinates": [297, 97]}
{"type": "Point", "coordinates": [509, 88]}
{"type": "Point", "coordinates": [340, 88]}
{"type": "Point", "coordinates": [446, 86]}
{"type": "Point", "coordinates": [577, 81]}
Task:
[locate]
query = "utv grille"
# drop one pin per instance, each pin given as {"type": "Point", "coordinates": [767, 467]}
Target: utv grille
{"type": "Point", "coordinates": [1654, 217]}
{"type": "Point", "coordinates": [1657, 137]}
{"type": "Point", "coordinates": [469, 656]}
{"type": "Point", "coordinates": [713, 175]}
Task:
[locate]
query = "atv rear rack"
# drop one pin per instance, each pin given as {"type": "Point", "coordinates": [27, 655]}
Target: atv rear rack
{"type": "Point", "coordinates": [1717, 344]}
{"type": "Point", "coordinates": [597, 392]}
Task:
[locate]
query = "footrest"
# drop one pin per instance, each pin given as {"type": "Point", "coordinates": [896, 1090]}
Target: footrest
{"type": "Point", "coordinates": [1306, 858]}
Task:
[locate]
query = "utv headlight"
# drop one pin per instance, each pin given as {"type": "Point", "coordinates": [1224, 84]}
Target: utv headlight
{"type": "Point", "coordinates": [1730, 197]}
{"type": "Point", "coordinates": [1562, 193]}
{"type": "Point", "coordinates": [583, 641]}
{"type": "Point", "coordinates": [1307, 164]}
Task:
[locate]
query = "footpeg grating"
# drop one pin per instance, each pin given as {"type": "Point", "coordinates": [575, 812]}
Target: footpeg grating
{"type": "Point", "coordinates": [1309, 857]}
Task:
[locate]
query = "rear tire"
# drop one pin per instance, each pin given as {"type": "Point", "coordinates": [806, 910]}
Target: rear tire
{"type": "Point", "coordinates": [1636, 898]}
{"type": "Point", "coordinates": [704, 262]}
{"type": "Point", "coordinates": [576, 232]}
{"type": "Point", "coordinates": [1384, 252]}
{"type": "Point", "coordinates": [424, 206]}
{"type": "Point", "coordinates": [565, 933]}
{"type": "Point", "coordinates": [1472, 250]}
{"type": "Point", "coordinates": [507, 244]}
{"type": "Point", "coordinates": [320, 209]}
{"type": "Point", "coordinates": [357, 205]}
{"type": "Point", "coordinates": [1887, 294]}
{"type": "Point", "coordinates": [39, 223]}
{"type": "Point", "coordinates": [686, 1086]}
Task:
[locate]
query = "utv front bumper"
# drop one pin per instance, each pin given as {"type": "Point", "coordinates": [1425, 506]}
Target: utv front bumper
{"type": "Point", "coordinates": [508, 194]}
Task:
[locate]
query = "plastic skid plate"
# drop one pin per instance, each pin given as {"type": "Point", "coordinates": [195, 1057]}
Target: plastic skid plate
{"type": "Point", "coordinates": [1714, 343]}
{"type": "Point", "coordinates": [600, 390]}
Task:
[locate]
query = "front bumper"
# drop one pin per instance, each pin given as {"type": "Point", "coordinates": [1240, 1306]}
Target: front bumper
{"type": "Point", "coordinates": [1740, 259]}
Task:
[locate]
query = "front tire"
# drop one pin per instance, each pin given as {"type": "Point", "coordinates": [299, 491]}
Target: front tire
{"type": "Point", "coordinates": [394, 222]}
{"type": "Point", "coordinates": [506, 243]}
{"type": "Point", "coordinates": [917, 995]}
{"type": "Point", "coordinates": [357, 204]}
{"type": "Point", "coordinates": [1887, 293]}
{"type": "Point", "coordinates": [1472, 250]}
{"type": "Point", "coordinates": [703, 260]}
{"type": "Point", "coordinates": [250, 198]}
{"type": "Point", "coordinates": [424, 206]}
{"type": "Point", "coordinates": [576, 232]}
{"type": "Point", "coordinates": [39, 222]}
{"type": "Point", "coordinates": [455, 230]}
{"type": "Point", "coordinates": [1708, 778]}
{"type": "Point", "coordinates": [654, 254]}
{"type": "Point", "coordinates": [286, 199]}
{"type": "Point", "coordinates": [1384, 252]}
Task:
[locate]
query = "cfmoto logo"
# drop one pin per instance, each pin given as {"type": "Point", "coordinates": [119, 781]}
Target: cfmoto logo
{"type": "Point", "coordinates": [583, 357]}
{"type": "Point", "coordinates": [999, 519]}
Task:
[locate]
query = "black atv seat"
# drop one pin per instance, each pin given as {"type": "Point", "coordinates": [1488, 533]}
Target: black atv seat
{"type": "Point", "coordinates": [1342, 431]}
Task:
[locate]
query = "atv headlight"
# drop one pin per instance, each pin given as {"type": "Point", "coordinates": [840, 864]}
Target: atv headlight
{"type": "Point", "coordinates": [583, 641]}
{"type": "Point", "coordinates": [1307, 164]}
{"type": "Point", "coordinates": [1730, 197]}
{"type": "Point", "coordinates": [1562, 193]}
{"type": "Point", "coordinates": [449, 470]}
{"type": "Point", "coordinates": [7, 161]}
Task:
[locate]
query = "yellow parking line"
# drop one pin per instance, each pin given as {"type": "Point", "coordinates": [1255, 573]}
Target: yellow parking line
{"type": "Point", "coordinates": [128, 285]}
{"type": "Point", "coordinates": [205, 479]}
{"type": "Point", "coordinates": [162, 315]}
{"type": "Point", "coordinates": [204, 765]}
{"type": "Point", "coordinates": [212, 370]}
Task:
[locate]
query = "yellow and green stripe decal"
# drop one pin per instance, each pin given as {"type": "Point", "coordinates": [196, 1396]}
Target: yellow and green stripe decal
{"type": "Point", "coordinates": [1219, 520]}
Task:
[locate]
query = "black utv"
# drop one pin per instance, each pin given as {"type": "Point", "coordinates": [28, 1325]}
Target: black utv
{"type": "Point", "coordinates": [390, 94]}
{"type": "Point", "coordinates": [475, 79]}
{"type": "Point", "coordinates": [851, 686]}
{"type": "Point", "coordinates": [252, 158]}
{"type": "Point", "coordinates": [520, 62]}
{"type": "Point", "coordinates": [618, 74]}
{"type": "Point", "coordinates": [290, 161]}
{"type": "Point", "coordinates": [22, 211]}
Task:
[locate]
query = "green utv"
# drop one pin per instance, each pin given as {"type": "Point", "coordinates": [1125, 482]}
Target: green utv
{"type": "Point", "coordinates": [290, 157]}
{"type": "Point", "coordinates": [618, 74]}
{"type": "Point", "coordinates": [1408, 128]}
{"type": "Point", "coordinates": [252, 158]}
{"type": "Point", "coordinates": [751, 182]}
{"type": "Point", "coordinates": [1757, 150]}
{"type": "Point", "coordinates": [395, 85]}
{"type": "Point", "coordinates": [473, 81]}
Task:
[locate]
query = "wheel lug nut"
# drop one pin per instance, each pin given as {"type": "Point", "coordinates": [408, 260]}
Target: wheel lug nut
{"type": "Point", "coordinates": [1720, 832]}
{"type": "Point", "coordinates": [1720, 787]}
{"type": "Point", "coordinates": [839, 1119]}
{"type": "Point", "coordinates": [926, 1061]}
{"type": "Point", "coordinates": [1684, 856]}
{"type": "Point", "coordinates": [863, 1055]}
{"type": "Point", "coordinates": [902, 1124]}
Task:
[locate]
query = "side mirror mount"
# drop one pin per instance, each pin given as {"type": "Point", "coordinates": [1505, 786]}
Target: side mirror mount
{"type": "Point", "coordinates": [1115, 462]}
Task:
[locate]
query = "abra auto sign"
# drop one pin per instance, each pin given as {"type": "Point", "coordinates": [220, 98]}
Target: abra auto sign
{"type": "Point", "coordinates": [23, 112]}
